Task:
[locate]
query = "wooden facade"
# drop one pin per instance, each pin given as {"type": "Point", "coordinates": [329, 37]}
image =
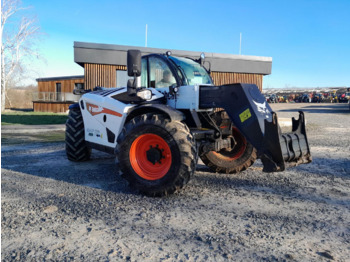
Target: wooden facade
{"type": "Point", "coordinates": [221, 78]}
{"type": "Point", "coordinates": [106, 76]}
{"type": "Point", "coordinates": [55, 94]}
{"type": "Point", "coordinates": [55, 107]}
{"type": "Point", "coordinates": [67, 84]}
{"type": "Point", "coordinates": [101, 75]}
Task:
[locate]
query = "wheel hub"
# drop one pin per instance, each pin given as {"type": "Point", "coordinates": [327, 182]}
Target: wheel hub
{"type": "Point", "coordinates": [238, 147]}
{"type": "Point", "coordinates": [154, 154]}
{"type": "Point", "coordinates": [150, 156]}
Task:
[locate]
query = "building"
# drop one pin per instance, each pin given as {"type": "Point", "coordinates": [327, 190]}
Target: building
{"type": "Point", "coordinates": [55, 94]}
{"type": "Point", "coordinates": [105, 65]}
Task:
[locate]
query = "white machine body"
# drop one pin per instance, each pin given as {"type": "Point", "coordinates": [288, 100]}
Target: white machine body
{"type": "Point", "coordinates": [187, 97]}
{"type": "Point", "coordinates": [104, 116]}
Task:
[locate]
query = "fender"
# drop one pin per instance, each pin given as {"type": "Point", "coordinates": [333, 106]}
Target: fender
{"type": "Point", "coordinates": [173, 114]}
{"type": "Point", "coordinates": [73, 106]}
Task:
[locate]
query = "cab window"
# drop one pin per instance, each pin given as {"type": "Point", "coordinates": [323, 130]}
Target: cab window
{"type": "Point", "coordinates": [160, 73]}
{"type": "Point", "coordinates": [144, 73]}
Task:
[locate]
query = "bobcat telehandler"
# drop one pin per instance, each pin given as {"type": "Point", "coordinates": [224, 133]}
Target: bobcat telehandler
{"type": "Point", "coordinates": [172, 114]}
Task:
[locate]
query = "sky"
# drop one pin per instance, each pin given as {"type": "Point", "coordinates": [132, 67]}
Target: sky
{"type": "Point", "coordinates": [309, 41]}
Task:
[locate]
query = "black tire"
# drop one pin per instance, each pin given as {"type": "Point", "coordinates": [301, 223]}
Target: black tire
{"type": "Point", "coordinates": [76, 148]}
{"type": "Point", "coordinates": [238, 159]}
{"type": "Point", "coordinates": [179, 158]}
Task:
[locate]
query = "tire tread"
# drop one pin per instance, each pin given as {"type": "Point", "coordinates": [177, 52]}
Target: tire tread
{"type": "Point", "coordinates": [185, 142]}
{"type": "Point", "coordinates": [76, 148]}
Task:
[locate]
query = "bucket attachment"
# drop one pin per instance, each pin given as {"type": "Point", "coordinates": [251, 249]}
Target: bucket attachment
{"type": "Point", "coordinates": [252, 115]}
{"type": "Point", "coordinates": [293, 148]}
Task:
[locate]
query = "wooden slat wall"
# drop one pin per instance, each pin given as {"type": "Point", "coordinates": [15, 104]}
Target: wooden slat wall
{"type": "Point", "coordinates": [101, 75]}
{"type": "Point", "coordinates": [221, 78]}
{"type": "Point", "coordinates": [67, 86]}
{"type": "Point", "coordinates": [106, 76]}
{"type": "Point", "coordinates": [50, 107]}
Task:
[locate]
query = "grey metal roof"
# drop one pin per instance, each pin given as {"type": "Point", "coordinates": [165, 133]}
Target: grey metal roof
{"type": "Point", "coordinates": [116, 55]}
{"type": "Point", "coordinates": [59, 78]}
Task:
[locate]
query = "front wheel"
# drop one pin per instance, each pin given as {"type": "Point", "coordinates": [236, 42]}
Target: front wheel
{"type": "Point", "coordinates": [155, 155]}
{"type": "Point", "coordinates": [230, 160]}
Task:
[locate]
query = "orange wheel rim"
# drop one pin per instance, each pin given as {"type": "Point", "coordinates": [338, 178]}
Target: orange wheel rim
{"type": "Point", "coordinates": [150, 156]}
{"type": "Point", "coordinates": [237, 151]}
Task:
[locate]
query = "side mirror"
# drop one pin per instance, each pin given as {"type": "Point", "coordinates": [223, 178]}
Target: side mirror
{"type": "Point", "coordinates": [134, 69]}
{"type": "Point", "coordinates": [134, 63]}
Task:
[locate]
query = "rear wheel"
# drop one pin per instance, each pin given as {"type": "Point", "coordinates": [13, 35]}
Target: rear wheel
{"type": "Point", "coordinates": [230, 160]}
{"type": "Point", "coordinates": [155, 155]}
{"type": "Point", "coordinates": [76, 148]}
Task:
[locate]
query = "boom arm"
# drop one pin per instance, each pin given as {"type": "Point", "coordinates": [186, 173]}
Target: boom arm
{"type": "Point", "coordinates": [249, 111]}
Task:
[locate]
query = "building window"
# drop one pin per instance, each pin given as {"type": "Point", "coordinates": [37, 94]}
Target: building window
{"type": "Point", "coordinates": [79, 86]}
{"type": "Point", "coordinates": [58, 92]}
{"type": "Point", "coordinates": [122, 78]}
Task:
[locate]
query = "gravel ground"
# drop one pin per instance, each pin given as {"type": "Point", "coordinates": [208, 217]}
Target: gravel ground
{"type": "Point", "coordinates": [56, 210]}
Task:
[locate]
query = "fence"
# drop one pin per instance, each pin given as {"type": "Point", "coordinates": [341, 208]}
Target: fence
{"type": "Point", "coordinates": [55, 97]}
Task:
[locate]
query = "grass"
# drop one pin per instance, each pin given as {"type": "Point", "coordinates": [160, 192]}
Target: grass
{"type": "Point", "coordinates": [48, 137]}
{"type": "Point", "coordinates": [32, 118]}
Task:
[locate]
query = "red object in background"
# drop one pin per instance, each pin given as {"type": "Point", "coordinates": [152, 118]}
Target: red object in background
{"type": "Point", "coordinates": [343, 95]}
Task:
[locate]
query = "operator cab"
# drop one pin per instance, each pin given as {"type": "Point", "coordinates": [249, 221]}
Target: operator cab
{"type": "Point", "coordinates": [159, 71]}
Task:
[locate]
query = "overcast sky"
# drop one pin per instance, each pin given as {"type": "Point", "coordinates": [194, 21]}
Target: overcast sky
{"type": "Point", "coordinates": [309, 41]}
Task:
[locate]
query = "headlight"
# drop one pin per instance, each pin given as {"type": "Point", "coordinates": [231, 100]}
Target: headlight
{"type": "Point", "coordinates": [145, 94]}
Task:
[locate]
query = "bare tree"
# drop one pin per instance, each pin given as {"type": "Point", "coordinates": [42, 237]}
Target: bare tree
{"type": "Point", "coordinates": [17, 42]}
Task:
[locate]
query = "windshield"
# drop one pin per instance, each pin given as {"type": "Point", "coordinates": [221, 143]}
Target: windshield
{"type": "Point", "coordinates": [194, 72]}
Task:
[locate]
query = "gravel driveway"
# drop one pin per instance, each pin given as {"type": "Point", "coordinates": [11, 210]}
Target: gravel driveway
{"type": "Point", "coordinates": [56, 210]}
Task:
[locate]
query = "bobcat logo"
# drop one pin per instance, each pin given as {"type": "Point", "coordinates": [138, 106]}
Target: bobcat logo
{"type": "Point", "coordinates": [96, 110]}
{"type": "Point", "coordinates": [261, 107]}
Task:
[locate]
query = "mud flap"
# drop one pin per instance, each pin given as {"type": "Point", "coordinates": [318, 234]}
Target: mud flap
{"type": "Point", "coordinates": [252, 115]}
